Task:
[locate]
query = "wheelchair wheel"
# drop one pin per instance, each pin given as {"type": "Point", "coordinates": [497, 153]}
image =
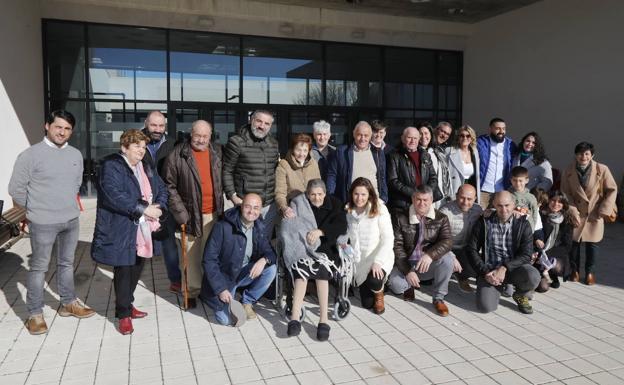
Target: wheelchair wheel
{"type": "Point", "coordinates": [341, 309]}
{"type": "Point", "coordinates": [287, 311]}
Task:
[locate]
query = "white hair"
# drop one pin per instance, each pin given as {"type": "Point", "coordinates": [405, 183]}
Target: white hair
{"type": "Point", "coordinates": [321, 126]}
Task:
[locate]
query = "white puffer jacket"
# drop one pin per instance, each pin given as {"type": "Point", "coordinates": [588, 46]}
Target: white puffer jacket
{"type": "Point", "coordinates": [372, 240]}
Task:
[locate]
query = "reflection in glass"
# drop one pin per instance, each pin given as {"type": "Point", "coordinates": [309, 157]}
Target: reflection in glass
{"type": "Point", "coordinates": [353, 74]}
{"type": "Point", "coordinates": [339, 128]}
{"type": "Point", "coordinates": [65, 60]}
{"type": "Point", "coordinates": [279, 72]}
{"type": "Point", "coordinates": [397, 120]}
{"type": "Point", "coordinates": [399, 95]}
{"type": "Point", "coordinates": [127, 63]}
{"type": "Point", "coordinates": [204, 67]}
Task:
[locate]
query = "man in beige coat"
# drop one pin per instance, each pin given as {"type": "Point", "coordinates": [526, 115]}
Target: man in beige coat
{"type": "Point", "coordinates": [591, 190]}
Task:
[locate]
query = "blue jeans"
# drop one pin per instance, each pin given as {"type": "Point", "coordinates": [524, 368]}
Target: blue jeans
{"type": "Point", "coordinates": [170, 252]}
{"type": "Point", "coordinates": [42, 238]}
{"type": "Point", "coordinates": [255, 288]}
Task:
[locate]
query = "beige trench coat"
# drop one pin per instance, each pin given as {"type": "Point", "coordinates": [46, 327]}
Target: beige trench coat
{"type": "Point", "coordinates": [591, 204]}
{"type": "Point", "coordinates": [291, 179]}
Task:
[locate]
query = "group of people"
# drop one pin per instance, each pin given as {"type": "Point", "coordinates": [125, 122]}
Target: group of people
{"type": "Point", "coordinates": [442, 202]}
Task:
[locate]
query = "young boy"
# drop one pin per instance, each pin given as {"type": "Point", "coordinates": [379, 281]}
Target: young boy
{"type": "Point", "coordinates": [526, 203]}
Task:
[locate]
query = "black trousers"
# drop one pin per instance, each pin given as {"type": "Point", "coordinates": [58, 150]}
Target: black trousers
{"type": "Point", "coordinates": [125, 279]}
{"type": "Point", "coordinates": [368, 287]}
{"type": "Point", "coordinates": [591, 252]}
{"type": "Point", "coordinates": [467, 270]}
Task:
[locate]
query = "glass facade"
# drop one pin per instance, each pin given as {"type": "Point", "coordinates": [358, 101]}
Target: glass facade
{"type": "Point", "coordinates": [111, 77]}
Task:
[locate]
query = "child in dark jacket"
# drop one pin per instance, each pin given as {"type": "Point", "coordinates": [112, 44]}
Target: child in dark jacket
{"type": "Point", "coordinates": [555, 237]}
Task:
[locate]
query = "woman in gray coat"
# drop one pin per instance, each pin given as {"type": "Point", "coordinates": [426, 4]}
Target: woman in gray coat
{"type": "Point", "coordinates": [532, 156]}
{"type": "Point", "coordinates": [463, 161]}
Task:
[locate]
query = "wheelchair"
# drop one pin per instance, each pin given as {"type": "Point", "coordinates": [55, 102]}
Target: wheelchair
{"type": "Point", "coordinates": [340, 283]}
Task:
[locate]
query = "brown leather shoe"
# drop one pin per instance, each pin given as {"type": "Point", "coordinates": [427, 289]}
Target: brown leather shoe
{"type": "Point", "coordinates": [378, 305]}
{"type": "Point", "coordinates": [408, 295]}
{"type": "Point", "coordinates": [575, 277]}
{"type": "Point", "coordinates": [76, 309]}
{"type": "Point", "coordinates": [36, 324]}
{"type": "Point", "coordinates": [441, 308]}
{"type": "Point", "coordinates": [590, 279]}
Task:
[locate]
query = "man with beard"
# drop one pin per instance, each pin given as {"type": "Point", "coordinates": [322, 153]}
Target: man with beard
{"type": "Point", "coordinates": [496, 153]}
{"type": "Point", "coordinates": [249, 161]}
{"type": "Point", "coordinates": [46, 178]}
{"type": "Point", "coordinates": [158, 148]}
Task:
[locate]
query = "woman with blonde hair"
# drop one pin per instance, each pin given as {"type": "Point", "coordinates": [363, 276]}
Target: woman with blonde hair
{"type": "Point", "coordinates": [463, 161]}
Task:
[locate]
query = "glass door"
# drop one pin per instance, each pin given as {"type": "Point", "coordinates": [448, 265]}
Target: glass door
{"type": "Point", "coordinates": [225, 121]}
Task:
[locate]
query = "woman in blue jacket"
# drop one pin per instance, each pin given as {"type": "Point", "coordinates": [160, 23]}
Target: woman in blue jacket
{"type": "Point", "coordinates": [131, 198]}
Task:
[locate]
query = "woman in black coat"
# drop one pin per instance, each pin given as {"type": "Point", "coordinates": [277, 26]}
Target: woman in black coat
{"type": "Point", "coordinates": [313, 252]}
{"type": "Point", "coordinates": [555, 239]}
{"type": "Point", "coordinates": [131, 198]}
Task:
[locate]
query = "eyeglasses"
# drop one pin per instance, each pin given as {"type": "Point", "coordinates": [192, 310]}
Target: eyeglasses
{"type": "Point", "coordinates": [464, 136]}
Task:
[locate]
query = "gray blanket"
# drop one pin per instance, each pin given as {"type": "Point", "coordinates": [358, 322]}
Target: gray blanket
{"type": "Point", "coordinates": [292, 235]}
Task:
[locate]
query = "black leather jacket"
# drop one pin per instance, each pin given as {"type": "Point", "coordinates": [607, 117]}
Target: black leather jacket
{"type": "Point", "coordinates": [401, 177]}
{"type": "Point", "coordinates": [522, 245]}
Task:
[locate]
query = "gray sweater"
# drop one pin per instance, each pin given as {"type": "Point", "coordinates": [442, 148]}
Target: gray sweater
{"type": "Point", "coordinates": [45, 181]}
{"type": "Point", "coordinates": [461, 222]}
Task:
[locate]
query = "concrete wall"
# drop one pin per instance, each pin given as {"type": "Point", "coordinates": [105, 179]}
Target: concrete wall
{"type": "Point", "coordinates": [21, 84]}
{"type": "Point", "coordinates": [264, 19]}
{"type": "Point", "coordinates": [554, 67]}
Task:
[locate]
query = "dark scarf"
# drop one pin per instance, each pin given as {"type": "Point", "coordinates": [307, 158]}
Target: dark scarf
{"type": "Point", "coordinates": [583, 174]}
{"type": "Point", "coordinates": [524, 156]}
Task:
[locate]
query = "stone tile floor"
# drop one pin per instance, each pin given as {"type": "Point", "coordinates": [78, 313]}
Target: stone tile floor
{"type": "Point", "coordinates": [575, 336]}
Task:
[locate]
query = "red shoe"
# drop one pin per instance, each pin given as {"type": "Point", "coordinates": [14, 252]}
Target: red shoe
{"type": "Point", "coordinates": [125, 326]}
{"type": "Point", "coordinates": [175, 288]}
{"type": "Point", "coordinates": [136, 313]}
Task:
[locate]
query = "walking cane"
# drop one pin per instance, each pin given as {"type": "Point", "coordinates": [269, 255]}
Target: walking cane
{"type": "Point", "coordinates": [184, 266]}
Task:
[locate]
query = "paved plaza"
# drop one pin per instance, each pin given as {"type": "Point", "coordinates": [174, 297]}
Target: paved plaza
{"type": "Point", "coordinates": [575, 336]}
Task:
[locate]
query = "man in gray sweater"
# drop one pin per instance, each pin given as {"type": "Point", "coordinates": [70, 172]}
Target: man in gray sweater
{"type": "Point", "coordinates": [463, 214]}
{"type": "Point", "coordinates": [46, 179]}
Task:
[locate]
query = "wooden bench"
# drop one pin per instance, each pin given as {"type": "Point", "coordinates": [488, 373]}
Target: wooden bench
{"type": "Point", "coordinates": [15, 215]}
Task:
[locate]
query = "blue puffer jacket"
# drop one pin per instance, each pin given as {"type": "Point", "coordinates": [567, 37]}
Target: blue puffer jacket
{"type": "Point", "coordinates": [225, 250]}
{"type": "Point", "coordinates": [483, 147]}
{"type": "Point", "coordinates": [119, 207]}
{"type": "Point", "coordinates": [340, 172]}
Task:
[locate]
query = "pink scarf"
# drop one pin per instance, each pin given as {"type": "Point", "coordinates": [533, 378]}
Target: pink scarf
{"type": "Point", "coordinates": [144, 245]}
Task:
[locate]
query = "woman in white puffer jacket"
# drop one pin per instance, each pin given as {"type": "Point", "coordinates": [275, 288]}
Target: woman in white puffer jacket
{"type": "Point", "coordinates": [371, 237]}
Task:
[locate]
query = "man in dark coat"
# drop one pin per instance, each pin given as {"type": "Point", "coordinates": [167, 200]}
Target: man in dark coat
{"type": "Point", "coordinates": [422, 241]}
{"type": "Point", "coordinates": [499, 251]}
{"type": "Point", "coordinates": [238, 254]}
{"type": "Point", "coordinates": [158, 148]}
{"type": "Point", "coordinates": [408, 168]}
{"type": "Point", "coordinates": [249, 162]}
{"type": "Point", "coordinates": [360, 159]}
{"type": "Point", "coordinates": [193, 176]}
